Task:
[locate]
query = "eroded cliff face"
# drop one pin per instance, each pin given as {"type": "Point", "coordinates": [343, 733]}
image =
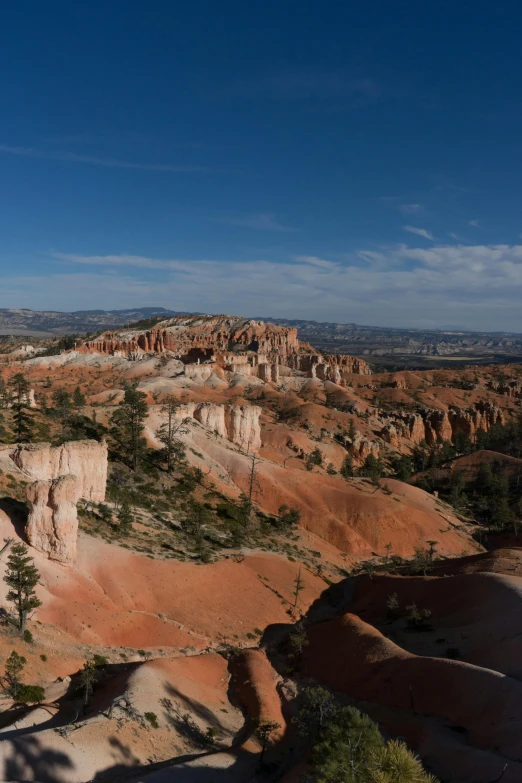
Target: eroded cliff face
{"type": "Point", "coordinates": [52, 525]}
{"type": "Point", "coordinates": [328, 368]}
{"type": "Point", "coordinates": [435, 426]}
{"type": "Point", "coordinates": [84, 459]}
{"type": "Point", "coordinates": [236, 344]}
{"type": "Point", "coordinates": [204, 336]}
{"type": "Point", "coordinates": [237, 423]}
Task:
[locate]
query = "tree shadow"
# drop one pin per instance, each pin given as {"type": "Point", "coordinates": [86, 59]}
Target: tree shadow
{"type": "Point", "coordinates": [189, 768]}
{"type": "Point", "coordinates": [28, 760]}
{"type": "Point", "coordinates": [17, 513]}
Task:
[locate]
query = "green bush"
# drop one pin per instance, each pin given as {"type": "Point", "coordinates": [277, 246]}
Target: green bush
{"type": "Point", "coordinates": [30, 694]}
{"type": "Point", "coordinates": [152, 719]}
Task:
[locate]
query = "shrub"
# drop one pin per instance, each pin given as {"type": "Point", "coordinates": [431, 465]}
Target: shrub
{"type": "Point", "coordinates": [28, 636]}
{"type": "Point", "coordinates": [31, 694]}
{"type": "Point", "coordinates": [152, 719]}
{"type": "Point", "coordinates": [43, 658]}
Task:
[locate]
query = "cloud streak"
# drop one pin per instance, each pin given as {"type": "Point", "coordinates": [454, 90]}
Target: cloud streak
{"type": "Point", "coordinates": [421, 232]}
{"type": "Point", "coordinates": [72, 157]}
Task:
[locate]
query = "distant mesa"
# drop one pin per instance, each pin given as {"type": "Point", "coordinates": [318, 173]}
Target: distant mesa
{"type": "Point", "coordinates": [235, 344]}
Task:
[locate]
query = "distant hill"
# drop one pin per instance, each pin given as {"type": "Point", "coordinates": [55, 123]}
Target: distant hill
{"type": "Point", "coordinates": [42, 323]}
{"type": "Point", "coordinates": [389, 347]}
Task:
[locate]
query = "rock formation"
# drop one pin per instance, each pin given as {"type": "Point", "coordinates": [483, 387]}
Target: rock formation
{"type": "Point", "coordinates": [200, 337]}
{"type": "Point", "coordinates": [328, 367]}
{"type": "Point", "coordinates": [237, 423]}
{"type": "Point", "coordinates": [61, 475]}
{"type": "Point", "coordinates": [236, 344]}
{"type": "Point", "coordinates": [436, 426]}
{"type": "Point", "coordinates": [85, 459]}
{"type": "Point", "coordinates": [510, 387]}
{"type": "Point", "coordinates": [52, 525]}
{"type": "Point", "coordinates": [243, 428]}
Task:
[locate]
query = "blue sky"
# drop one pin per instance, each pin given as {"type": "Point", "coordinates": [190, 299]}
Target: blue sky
{"type": "Point", "coordinates": [333, 161]}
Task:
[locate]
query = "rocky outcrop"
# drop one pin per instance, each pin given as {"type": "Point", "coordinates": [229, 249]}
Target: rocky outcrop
{"type": "Point", "coordinates": [200, 337]}
{"type": "Point", "coordinates": [510, 387]}
{"type": "Point", "coordinates": [470, 421]}
{"type": "Point", "coordinates": [85, 459]}
{"type": "Point", "coordinates": [436, 426]}
{"type": "Point", "coordinates": [242, 422]}
{"type": "Point", "coordinates": [268, 372]}
{"type": "Point", "coordinates": [236, 344]}
{"type": "Point", "coordinates": [28, 399]}
{"type": "Point", "coordinates": [213, 417]}
{"type": "Point", "coordinates": [52, 525]}
{"type": "Point", "coordinates": [329, 367]}
{"type": "Point", "coordinates": [237, 423]}
{"type": "Point", "coordinates": [360, 447]}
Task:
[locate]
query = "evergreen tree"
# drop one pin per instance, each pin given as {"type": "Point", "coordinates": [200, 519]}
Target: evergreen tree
{"type": "Point", "coordinates": [5, 398]}
{"type": "Point", "coordinates": [264, 732]}
{"type": "Point", "coordinates": [372, 468]}
{"type": "Point", "coordinates": [87, 680]}
{"type": "Point", "coordinates": [347, 467]}
{"type": "Point", "coordinates": [78, 398]}
{"type": "Point", "coordinates": [128, 422]}
{"type": "Point", "coordinates": [173, 448]}
{"type": "Point", "coordinates": [62, 409]}
{"type": "Point", "coordinates": [22, 577]}
{"type": "Point", "coordinates": [13, 670]}
{"type": "Point", "coordinates": [20, 404]}
{"type": "Point", "coordinates": [125, 519]}
{"type": "Point", "coordinates": [351, 750]}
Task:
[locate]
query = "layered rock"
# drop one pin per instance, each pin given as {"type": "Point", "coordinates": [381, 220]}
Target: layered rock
{"type": "Point", "coordinates": [242, 422]}
{"type": "Point", "coordinates": [436, 426]}
{"type": "Point", "coordinates": [52, 525]}
{"type": "Point", "coordinates": [237, 423]}
{"type": "Point", "coordinates": [85, 459]}
{"type": "Point", "coordinates": [510, 387]}
{"type": "Point", "coordinates": [200, 337]}
{"type": "Point", "coordinates": [236, 344]}
{"type": "Point", "coordinates": [470, 421]}
{"type": "Point", "coordinates": [328, 367]}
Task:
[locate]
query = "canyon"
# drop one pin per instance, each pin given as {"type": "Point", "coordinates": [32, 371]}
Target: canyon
{"type": "Point", "coordinates": [194, 604]}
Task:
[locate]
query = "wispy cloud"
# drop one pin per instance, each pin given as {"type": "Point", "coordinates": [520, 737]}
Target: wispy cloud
{"type": "Point", "coordinates": [262, 221]}
{"type": "Point", "coordinates": [410, 209]}
{"type": "Point", "coordinates": [72, 157]}
{"type": "Point", "coordinates": [474, 223]}
{"type": "Point", "coordinates": [478, 286]}
{"type": "Point", "coordinates": [421, 232]}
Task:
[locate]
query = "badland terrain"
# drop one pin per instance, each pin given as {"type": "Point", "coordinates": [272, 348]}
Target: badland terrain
{"type": "Point", "coordinates": [235, 552]}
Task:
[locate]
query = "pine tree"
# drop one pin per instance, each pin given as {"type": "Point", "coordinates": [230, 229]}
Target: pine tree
{"type": "Point", "coordinates": [125, 519]}
{"type": "Point", "coordinates": [128, 422]}
{"type": "Point", "coordinates": [20, 405]}
{"type": "Point", "coordinates": [22, 577]}
{"type": "Point", "coordinates": [78, 398]}
{"type": "Point", "coordinates": [62, 409]}
{"type": "Point", "coordinates": [4, 394]}
{"type": "Point", "coordinates": [13, 669]}
{"type": "Point", "coordinates": [87, 680]}
{"type": "Point", "coordinates": [264, 732]}
{"type": "Point", "coordinates": [347, 467]}
{"type": "Point", "coordinates": [169, 432]}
